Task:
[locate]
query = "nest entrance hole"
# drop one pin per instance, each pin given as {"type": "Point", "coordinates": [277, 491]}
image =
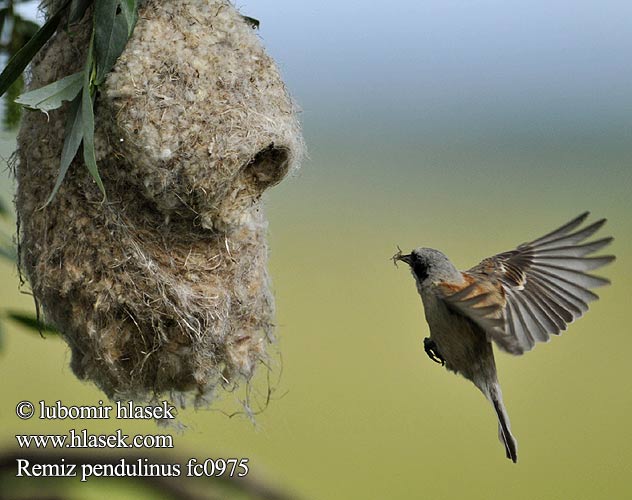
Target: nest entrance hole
{"type": "Point", "coordinates": [268, 167]}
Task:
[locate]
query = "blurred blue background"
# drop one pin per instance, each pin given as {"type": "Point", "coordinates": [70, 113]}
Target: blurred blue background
{"type": "Point", "coordinates": [468, 126]}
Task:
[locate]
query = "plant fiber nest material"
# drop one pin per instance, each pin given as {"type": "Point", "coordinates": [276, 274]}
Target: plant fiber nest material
{"type": "Point", "coordinates": [163, 287]}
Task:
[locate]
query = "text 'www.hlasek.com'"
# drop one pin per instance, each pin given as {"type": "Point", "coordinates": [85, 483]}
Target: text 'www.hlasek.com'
{"type": "Point", "coordinates": [124, 467]}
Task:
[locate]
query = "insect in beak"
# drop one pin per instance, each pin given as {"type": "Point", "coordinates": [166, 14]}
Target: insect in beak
{"type": "Point", "coordinates": [399, 256]}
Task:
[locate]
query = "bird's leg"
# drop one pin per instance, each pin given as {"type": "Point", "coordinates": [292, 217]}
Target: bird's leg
{"type": "Point", "coordinates": [433, 353]}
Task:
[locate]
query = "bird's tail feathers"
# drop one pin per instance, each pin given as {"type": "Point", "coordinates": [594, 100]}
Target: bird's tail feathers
{"type": "Point", "coordinates": [494, 394]}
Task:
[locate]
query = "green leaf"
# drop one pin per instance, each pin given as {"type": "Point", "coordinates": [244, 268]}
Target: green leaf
{"type": "Point", "coordinates": [87, 119]}
{"type": "Point", "coordinates": [53, 95]}
{"type": "Point", "coordinates": [129, 8]}
{"type": "Point", "coordinates": [31, 322]}
{"type": "Point", "coordinates": [23, 57]}
{"type": "Point", "coordinates": [72, 140]}
{"type": "Point", "coordinates": [77, 10]}
{"type": "Point", "coordinates": [114, 22]}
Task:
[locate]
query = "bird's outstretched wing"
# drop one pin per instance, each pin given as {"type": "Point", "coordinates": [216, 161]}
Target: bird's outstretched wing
{"type": "Point", "coordinates": [523, 296]}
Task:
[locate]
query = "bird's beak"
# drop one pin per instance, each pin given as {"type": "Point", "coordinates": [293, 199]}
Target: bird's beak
{"type": "Point", "coordinates": [403, 258]}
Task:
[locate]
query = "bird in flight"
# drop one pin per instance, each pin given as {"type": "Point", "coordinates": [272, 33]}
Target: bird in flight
{"type": "Point", "coordinates": [514, 299]}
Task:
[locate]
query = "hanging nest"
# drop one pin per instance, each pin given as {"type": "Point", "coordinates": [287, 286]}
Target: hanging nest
{"type": "Point", "coordinates": [163, 287]}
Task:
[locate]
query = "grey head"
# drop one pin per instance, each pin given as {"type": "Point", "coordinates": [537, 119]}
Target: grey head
{"type": "Point", "coordinates": [429, 265]}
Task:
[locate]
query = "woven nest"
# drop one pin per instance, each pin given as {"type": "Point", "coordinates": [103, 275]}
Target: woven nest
{"type": "Point", "coordinates": [164, 286]}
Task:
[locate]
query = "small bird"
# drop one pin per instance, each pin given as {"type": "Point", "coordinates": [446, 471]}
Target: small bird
{"type": "Point", "coordinates": [514, 298]}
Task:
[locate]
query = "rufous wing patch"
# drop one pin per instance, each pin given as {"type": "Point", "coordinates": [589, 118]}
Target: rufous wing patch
{"type": "Point", "coordinates": [482, 301]}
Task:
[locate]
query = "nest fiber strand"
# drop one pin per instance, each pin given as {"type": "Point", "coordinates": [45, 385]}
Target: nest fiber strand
{"type": "Point", "coordinates": [164, 286]}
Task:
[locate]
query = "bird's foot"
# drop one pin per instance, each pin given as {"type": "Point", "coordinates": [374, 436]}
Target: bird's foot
{"type": "Point", "coordinates": [433, 353]}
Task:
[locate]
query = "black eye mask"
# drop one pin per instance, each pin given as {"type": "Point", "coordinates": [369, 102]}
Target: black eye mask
{"type": "Point", "coordinates": [420, 269]}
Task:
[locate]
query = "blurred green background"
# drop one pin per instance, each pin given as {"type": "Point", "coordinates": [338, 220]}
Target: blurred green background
{"type": "Point", "coordinates": [466, 126]}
